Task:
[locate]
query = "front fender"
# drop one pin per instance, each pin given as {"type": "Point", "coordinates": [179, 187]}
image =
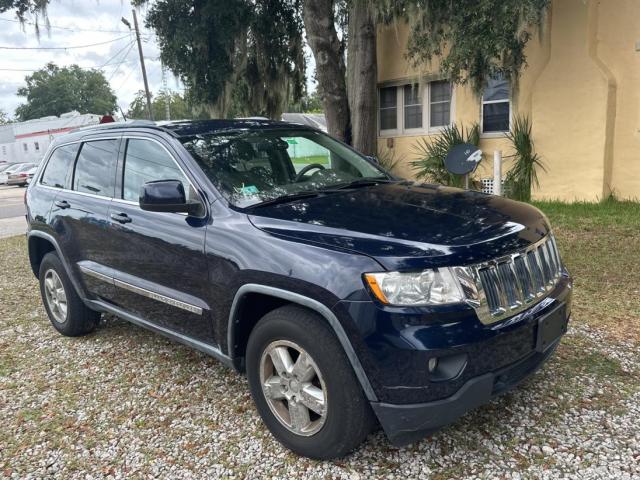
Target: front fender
{"type": "Point", "coordinates": [321, 309]}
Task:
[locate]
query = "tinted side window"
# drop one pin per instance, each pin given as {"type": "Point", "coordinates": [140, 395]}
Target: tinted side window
{"type": "Point", "coordinates": [58, 170]}
{"type": "Point", "coordinates": [146, 161]}
{"type": "Point", "coordinates": [96, 167]}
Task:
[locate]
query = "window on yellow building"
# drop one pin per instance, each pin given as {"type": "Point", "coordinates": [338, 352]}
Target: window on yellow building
{"type": "Point", "coordinates": [412, 106]}
{"type": "Point", "coordinates": [496, 109]}
{"type": "Point", "coordinates": [440, 103]}
{"type": "Point", "coordinates": [402, 108]}
{"type": "Point", "coordinates": [388, 108]}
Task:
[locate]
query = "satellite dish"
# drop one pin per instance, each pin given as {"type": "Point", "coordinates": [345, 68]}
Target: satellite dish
{"type": "Point", "coordinates": [463, 159]}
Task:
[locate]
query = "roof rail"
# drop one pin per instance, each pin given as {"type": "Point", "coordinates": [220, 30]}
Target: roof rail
{"type": "Point", "coordinates": [126, 123]}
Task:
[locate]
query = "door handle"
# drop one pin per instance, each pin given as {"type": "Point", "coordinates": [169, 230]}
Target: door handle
{"type": "Point", "coordinates": [62, 204]}
{"type": "Point", "coordinates": [121, 217]}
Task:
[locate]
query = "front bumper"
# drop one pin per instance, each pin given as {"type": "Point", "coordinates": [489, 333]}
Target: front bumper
{"type": "Point", "coordinates": [475, 362]}
{"type": "Point", "coordinates": [404, 424]}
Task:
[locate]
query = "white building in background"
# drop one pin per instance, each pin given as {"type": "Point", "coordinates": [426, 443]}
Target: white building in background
{"type": "Point", "coordinates": [28, 141]}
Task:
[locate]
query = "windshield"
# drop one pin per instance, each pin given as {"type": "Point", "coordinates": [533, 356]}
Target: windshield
{"type": "Point", "coordinates": [253, 167]}
{"type": "Point", "coordinates": [24, 168]}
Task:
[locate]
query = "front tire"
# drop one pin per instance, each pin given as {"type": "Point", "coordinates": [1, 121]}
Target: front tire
{"type": "Point", "coordinates": [67, 312]}
{"type": "Point", "coordinates": [304, 386]}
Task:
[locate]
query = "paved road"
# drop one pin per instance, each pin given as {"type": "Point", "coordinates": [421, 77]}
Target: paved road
{"type": "Point", "coordinates": [12, 211]}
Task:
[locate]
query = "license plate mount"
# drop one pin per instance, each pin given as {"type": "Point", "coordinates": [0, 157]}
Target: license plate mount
{"type": "Point", "coordinates": [551, 327]}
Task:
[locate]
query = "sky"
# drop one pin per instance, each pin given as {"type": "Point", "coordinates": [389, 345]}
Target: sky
{"type": "Point", "coordinates": [86, 22]}
{"type": "Point", "coordinates": [78, 23]}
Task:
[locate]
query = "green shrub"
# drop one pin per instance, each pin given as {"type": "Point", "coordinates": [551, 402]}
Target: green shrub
{"type": "Point", "coordinates": [387, 159]}
{"type": "Point", "coordinates": [522, 176]}
{"type": "Point", "coordinates": [430, 154]}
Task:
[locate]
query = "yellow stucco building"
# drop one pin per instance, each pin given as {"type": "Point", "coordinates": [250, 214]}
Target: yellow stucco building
{"type": "Point", "coordinates": [581, 90]}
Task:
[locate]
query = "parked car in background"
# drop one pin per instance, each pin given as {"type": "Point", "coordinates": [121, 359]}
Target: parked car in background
{"type": "Point", "coordinates": [31, 173]}
{"type": "Point", "coordinates": [4, 175]}
{"type": "Point", "coordinates": [19, 177]}
{"type": "Point", "coordinates": [348, 296]}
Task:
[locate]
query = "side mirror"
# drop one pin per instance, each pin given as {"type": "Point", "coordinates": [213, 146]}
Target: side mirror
{"type": "Point", "coordinates": [167, 196]}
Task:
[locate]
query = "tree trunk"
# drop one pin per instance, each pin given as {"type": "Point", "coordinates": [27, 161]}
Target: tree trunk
{"type": "Point", "coordinates": [319, 23]}
{"type": "Point", "coordinates": [362, 76]}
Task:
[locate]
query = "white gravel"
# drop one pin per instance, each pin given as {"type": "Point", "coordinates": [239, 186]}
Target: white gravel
{"type": "Point", "coordinates": [125, 403]}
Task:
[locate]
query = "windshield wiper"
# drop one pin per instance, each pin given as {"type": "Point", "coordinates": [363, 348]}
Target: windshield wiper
{"type": "Point", "coordinates": [286, 199]}
{"type": "Point", "coordinates": [292, 197]}
{"type": "Point", "coordinates": [363, 182]}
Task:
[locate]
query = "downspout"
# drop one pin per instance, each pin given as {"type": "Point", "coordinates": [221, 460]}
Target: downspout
{"type": "Point", "coordinates": [610, 117]}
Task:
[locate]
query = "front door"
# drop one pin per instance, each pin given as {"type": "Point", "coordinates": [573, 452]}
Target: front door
{"type": "Point", "coordinates": [159, 268]}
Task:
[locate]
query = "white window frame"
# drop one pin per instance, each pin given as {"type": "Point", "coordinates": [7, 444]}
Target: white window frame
{"type": "Point", "coordinates": [438, 128]}
{"type": "Point", "coordinates": [399, 109]}
{"type": "Point", "coordinates": [501, 133]}
{"type": "Point", "coordinates": [425, 96]}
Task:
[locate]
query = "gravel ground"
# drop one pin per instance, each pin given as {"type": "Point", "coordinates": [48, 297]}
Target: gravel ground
{"type": "Point", "coordinates": [123, 402]}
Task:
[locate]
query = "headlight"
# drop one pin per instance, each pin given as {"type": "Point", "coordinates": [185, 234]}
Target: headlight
{"type": "Point", "coordinates": [428, 287]}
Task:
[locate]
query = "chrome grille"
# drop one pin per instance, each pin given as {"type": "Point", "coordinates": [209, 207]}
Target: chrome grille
{"type": "Point", "coordinates": [508, 285]}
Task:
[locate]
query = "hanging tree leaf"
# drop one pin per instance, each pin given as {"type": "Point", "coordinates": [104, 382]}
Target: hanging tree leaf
{"type": "Point", "coordinates": [237, 57]}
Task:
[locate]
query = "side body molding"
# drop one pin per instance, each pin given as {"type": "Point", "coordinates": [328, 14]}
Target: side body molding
{"type": "Point", "coordinates": [312, 304]}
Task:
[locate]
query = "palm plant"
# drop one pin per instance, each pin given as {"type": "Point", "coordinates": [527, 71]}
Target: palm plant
{"type": "Point", "coordinates": [430, 154]}
{"type": "Point", "coordinates": [387, 159]}
{"type": "Point", "coordinates": [523, 175]}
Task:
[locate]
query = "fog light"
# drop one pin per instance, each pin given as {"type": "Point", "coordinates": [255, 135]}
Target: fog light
{"type": "Point", "coordinates": [433, 364]}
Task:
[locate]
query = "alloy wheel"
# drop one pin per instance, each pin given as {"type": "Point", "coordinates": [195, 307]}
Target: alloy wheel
{"type": "Point", "coordinates": [56, 296]}
{"type": "Point", "coordinates": [293, 387]}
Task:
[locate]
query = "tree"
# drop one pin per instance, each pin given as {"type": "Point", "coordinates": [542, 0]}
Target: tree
{"type": "Point", "coordinates": [474, 39]}
{"type": "Point", "coordinates": [245, 56]}
{"type": "Point", "coordinates": [362, 76]}
{"type": "Point", "coordinates": [4, 118]}
{"type": "Point", "coordinates": [53, 90]}
{"type": "Point", "coordinates": [328, 51]}
{"type": "Point", "coordinates": [178, 106]}
{"type": "Point", "coordinates": [235, 56]}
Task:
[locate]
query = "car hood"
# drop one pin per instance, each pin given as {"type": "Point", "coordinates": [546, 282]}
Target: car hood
{"type": "Point", "coordinates": [408, 226]}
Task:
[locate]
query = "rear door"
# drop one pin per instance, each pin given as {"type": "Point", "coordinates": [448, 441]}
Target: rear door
{"type": "Point", "coordinates": [158, 258]}
{"type": "Point", "coordinates": [79, 214]}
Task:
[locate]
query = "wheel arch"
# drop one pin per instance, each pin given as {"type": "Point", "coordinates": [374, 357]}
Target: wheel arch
{"type": "Point", "coordinates": [39, 244]}
{"type": "Point", "coordinates": [277, 297]}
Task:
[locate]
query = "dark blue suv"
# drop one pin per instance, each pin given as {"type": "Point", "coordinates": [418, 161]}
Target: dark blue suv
{"type": "Point", "coordinates": [350, 298]}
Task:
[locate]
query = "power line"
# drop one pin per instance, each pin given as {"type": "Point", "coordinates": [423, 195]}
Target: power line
{"type": "Point", "coordinates": [125, 80]}
{"type": "Point", "coordinates": [97, 67]}
{"type": "Point", "coordinates": [57, 27]}
{"type": "Point", "coordinates": [108, 62]}
{"type": "Point", "coordinates": [115, 70]}
{"type": "Point", "coordinates": [64, 48]}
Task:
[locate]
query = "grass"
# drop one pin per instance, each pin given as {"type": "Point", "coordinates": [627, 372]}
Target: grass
{"type": "Point", "coordinates": [308, 160]}
{"type": "Point", "coordinates": [600, 244]}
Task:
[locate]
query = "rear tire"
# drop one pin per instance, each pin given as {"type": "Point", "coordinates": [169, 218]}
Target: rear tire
{"type": "Point", "coordinates": [319, 374]}
{"type": "Point", "coordinates": [67, 312]}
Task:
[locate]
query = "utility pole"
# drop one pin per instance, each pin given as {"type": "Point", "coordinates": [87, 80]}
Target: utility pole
{"type": "Point", "coordinates": [167, 106]}
{"type": "Point", "coordinates": [144, 70]}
